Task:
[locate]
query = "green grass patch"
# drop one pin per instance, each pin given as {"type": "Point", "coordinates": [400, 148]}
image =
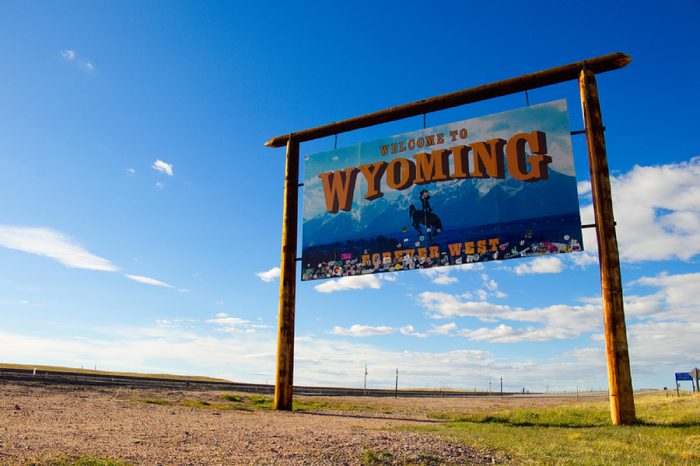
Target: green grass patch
{"type": "Point", "coordinates": [233, 401]}
{"type": "Point", "coordinates": [224, 402]}
{"type": "Point", "coordinates": [157, 401]}
{"type": "Point", "coordinates": [261, 402]}
{"type": "Point", "coordinates": [338, 404]}
{"type": "Point", "coordinates": [376, 458]}
{"type": "Point", "coordinates": [668, 432]}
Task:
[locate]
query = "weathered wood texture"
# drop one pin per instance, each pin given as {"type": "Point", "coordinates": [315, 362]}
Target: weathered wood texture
{"type": "Point", "coordinates": [619, 375]}
{"type": "Point", "coordinates": [559, 74]}
{"type": "Point", "coordinates": [285, 331]}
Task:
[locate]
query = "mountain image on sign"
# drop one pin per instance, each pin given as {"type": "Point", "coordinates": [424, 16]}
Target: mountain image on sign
{"type": "Point", "coordinates": [491, 188]}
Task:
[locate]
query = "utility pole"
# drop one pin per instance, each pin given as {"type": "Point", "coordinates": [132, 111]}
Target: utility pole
{"type": "Point", "coordinates": [396, 392]}
{"type": "Point", "coordinates": [501, 386]}
{"type": "Point", "coordinates": [365, 379]}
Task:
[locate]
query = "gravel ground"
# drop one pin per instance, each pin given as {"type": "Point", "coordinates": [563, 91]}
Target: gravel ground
{"type": "Point", "coordinates": [40, 423]}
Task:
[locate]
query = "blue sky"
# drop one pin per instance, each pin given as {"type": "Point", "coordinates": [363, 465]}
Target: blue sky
{"type": "Point", "coordinates": [141, 214]}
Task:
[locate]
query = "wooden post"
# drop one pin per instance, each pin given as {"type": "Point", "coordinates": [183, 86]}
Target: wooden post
{"type": "Point", "coordinates": [619, 375]}
{"type": "Point", "coordinates": [284, 379]}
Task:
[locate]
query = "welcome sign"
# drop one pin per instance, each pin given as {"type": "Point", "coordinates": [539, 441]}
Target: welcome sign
{"type": "Point", "coordinates": [491, 188]}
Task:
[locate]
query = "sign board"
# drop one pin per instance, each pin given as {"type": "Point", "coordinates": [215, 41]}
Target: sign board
{"type": "Point", "coordinates": [683, 376]}
{"type": "Point", "coordinates": [491, 188]}
{"type": "Point", "coordinates": [695, 373]}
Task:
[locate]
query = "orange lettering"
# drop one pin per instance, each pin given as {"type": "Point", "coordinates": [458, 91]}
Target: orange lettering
{"type": "Point", "coordinates": [373, 174]}
{"type": "Point", "coordinates": [455, 249]}
{"type": "Point", "coordinates": [518, 160]}
{"type": "Point", "coordinates": [433, 167]}
{"type": "Point", "coordinates": [434, 252]}
{"type": "Point", "coordinates": [400, 174]}
{"type": "Point", "coordinates": [338, 187]}
{"type": "Point", "coordinates": [461, 161]}
{"type": "Point", "coordinates": [488, 160]}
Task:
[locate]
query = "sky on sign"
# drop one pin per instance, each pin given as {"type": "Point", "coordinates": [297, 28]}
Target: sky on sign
{"type": "Point", "coordinates": [140, 213]}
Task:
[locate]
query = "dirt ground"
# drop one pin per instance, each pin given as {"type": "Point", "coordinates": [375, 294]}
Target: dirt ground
{"type": "Point", "coordinates": [42, 423]}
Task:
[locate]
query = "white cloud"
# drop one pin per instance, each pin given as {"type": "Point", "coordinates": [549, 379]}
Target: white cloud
{"type": "Point", "coordinates": [72, 56]}
{"type": "Point", "coordinates": [663, 327]}
{"type": "Point", "coordinates": [358, 282]}
{"type": "Point", "coordinates": [68, 54]}
{"type": "Point", "coordinates": [147, 280]}
{"type": "Point", "coordinates": [587, 257]}
{"type": "Point", "coordinates": [59, 247]}
{"type": "Point", "coordinates": [50, 243]}
{"type": "Point", "coordinates": [489, 283]}
{"type": "Point", "coordinates": [439, 275]}
{"type": "Point", "coordinates": [163, 167]}
{"type": "Point", "coordinates": [663, 323]}
{"type": "Point", "coordinates": [250, 357]}
{"type": "Point", "coordinates": [362, 330]}
{"type": "Point", "coordinates": [677, 298]}
{"type": "Point", "coordinates": [230, 324]}
{"type": "Point", "coordinates": [160, 185]}
{"type": "Point", "coordinates": [583, 188]}
{"type": "Point", "coordinates": [657, 209]}
{"type": "Point", "coordinates": [224, 319]}
{"type": "Point", "coordinates": [539, 265]}
{"type": "Point", "coordinates": [269, 275]}
{"type": "Point", "coordinates": [410, 331]}
{"type": "Point", "coordinates": [443, 275]}
{"type": "Point", "coordinates": [507, 334]}
{"type": "Point", "coordinates": [445, 279]}
{"type": "Point", "coordinates": [553, 322]}
{"type": "Point", "coordinates": [130, 171]}
{"type": "Point", "coordinates": [443, 329]}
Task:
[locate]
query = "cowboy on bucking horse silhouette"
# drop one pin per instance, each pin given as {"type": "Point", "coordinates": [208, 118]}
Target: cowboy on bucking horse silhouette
{"type": "Point", "coordinates": [425, 217]}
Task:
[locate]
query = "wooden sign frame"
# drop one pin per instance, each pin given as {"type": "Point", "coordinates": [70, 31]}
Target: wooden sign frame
{"type": "Point", "coordinates": [619, 376]}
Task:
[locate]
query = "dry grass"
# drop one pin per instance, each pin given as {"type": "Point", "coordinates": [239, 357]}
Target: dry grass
{"type": "Point", "coordinates": [50, 369]}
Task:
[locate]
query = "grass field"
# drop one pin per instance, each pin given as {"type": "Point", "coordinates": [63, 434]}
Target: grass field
{"type": "Point", "coordinates": [108, 373]}
{"type": "Point", "coordinates": [520, 432]}
{"type": "Point", "coordinates": [668, 432]}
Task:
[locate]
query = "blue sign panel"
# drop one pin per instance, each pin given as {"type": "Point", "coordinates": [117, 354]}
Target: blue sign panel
{"type": "Point", "coordinates": [683, 376]}
{"type": "Point", "coordinates": [491, 188]}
